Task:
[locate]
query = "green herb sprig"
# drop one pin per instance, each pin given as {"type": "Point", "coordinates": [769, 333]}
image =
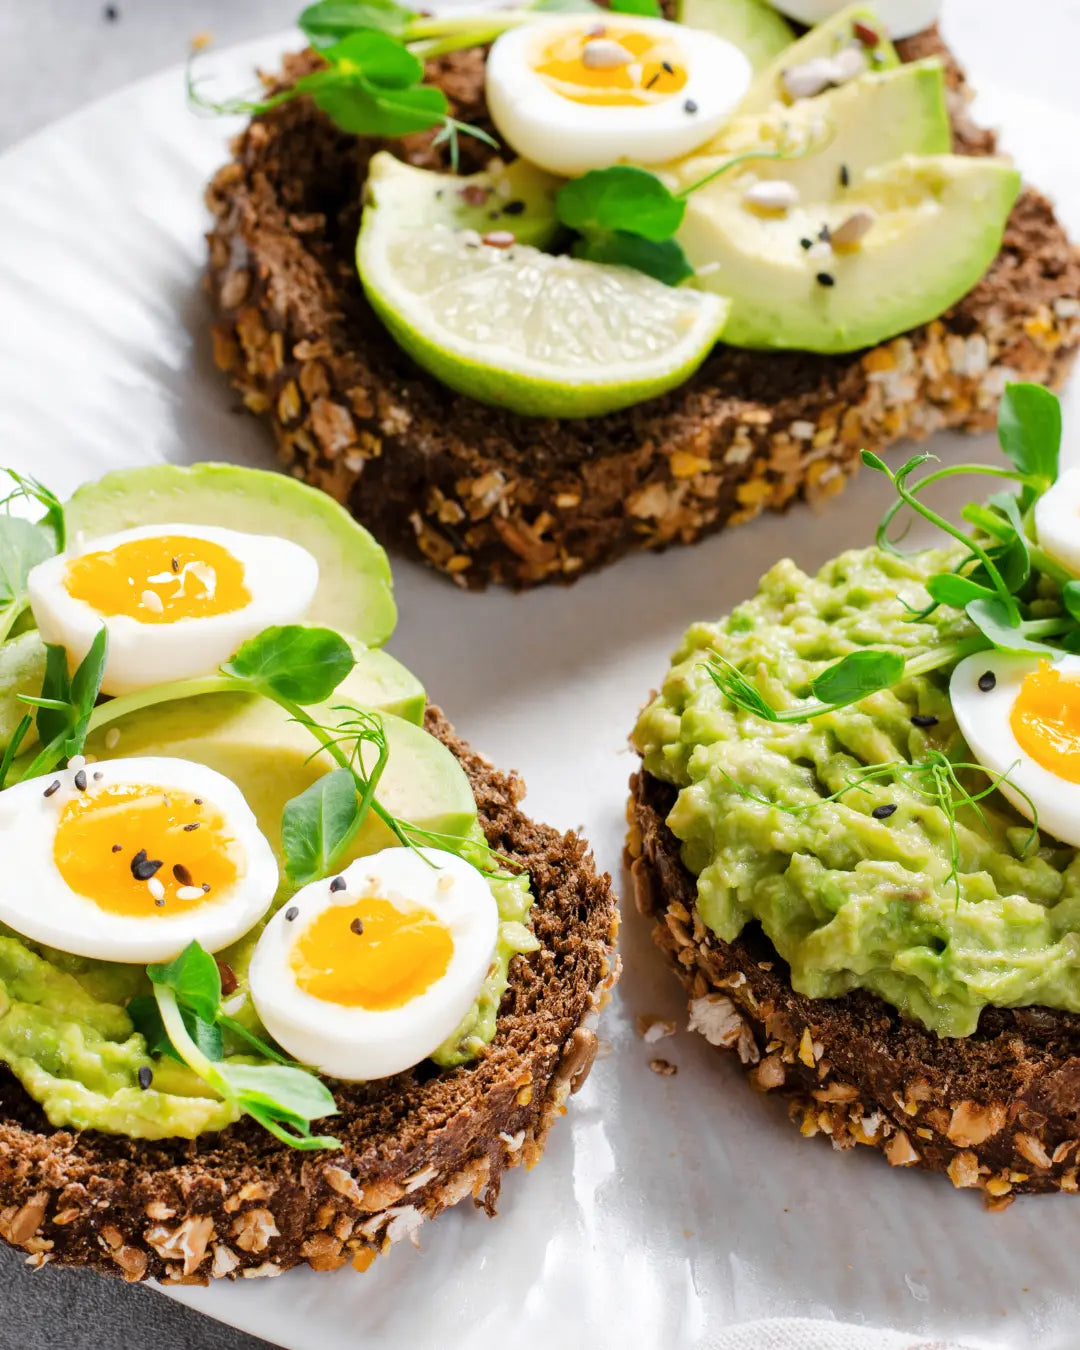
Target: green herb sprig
{"type": "Point", "coordinates": [184, 1019]}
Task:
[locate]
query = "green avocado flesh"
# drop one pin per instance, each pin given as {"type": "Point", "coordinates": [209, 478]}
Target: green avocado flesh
{"type": "Point", "coordinates": [752, 25]}
{"type": "Point", "coordinates": [354, 594]}
{"type": "Point", "coordinates": [64, 1029]}
{"type": "Point", "coordinates": [823, 40]}
{"type": "Point", "coordinates": [847, 900]}
{"type": "Point", "coordinates": [422, 199]}
{"type": "Point", "coordinates": [938, 224]}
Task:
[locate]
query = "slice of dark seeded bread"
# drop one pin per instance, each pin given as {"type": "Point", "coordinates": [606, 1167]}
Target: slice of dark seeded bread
{"type": "Point", "coordinates": [240, 1204]}
{"type": "Point", "coordinates": [998, 1110]}
{"type": "Point", "coordinates": [485, 495]}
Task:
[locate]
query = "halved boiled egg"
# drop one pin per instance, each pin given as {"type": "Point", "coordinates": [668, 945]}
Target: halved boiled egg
{"type": "Point", "coordinates": [1057, 520]}
{"type": "Point", "coordinates": [177, 599]}
{"type": "Point", "coordinates": [1021, 717]}
{"type": "Point", "coordinates": [132, 859]}
{"type": "Point", "coordinates": [585, 92]}
{"type": "Point", "coordinates": [366, 974]}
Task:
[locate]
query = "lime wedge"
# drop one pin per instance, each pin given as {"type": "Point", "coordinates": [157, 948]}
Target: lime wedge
{"type": "Point", "coordinates": [508, 325]}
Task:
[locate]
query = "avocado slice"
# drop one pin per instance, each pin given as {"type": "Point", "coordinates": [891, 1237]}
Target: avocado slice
{"type": "Point", "coordinates": [517, 197]}
{"type": "Point", "coordinates": [939, 223]}
{"type": "Point", "coordinates": [253, 742]}
{"type": "Point", "coordinates": [752, 25]}
{"type": "Point", "coordinates": [22, 669]}
{"type": "Point", "coordinates": [823, 40]}
{"type": "Point", "coordinates": [355, 591]}
{"type": "Point", "coordinates": [873, 120]}
{"type": "Point", "coordinates": [380, 681]}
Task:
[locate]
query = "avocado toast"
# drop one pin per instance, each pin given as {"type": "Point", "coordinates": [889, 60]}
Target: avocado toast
{"type": "Point", "coordinates": [854, 831]}
{"type": "Point", "coordinates": [149, 1125]}
{"type": "Point", "coordinates": [486, 494]}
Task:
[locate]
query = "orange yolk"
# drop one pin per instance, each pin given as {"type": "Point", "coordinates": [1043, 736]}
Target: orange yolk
{"type": "Point", "coordinates": [108, 837]}
{"type": "Point", "coordinates": [1045, 720]}
{"type": "Point", "coordinates": [159, 580]}
{"type": "Point", "coordinates": [655, 73]}
{"type": "Point", "coordinates": [371, 955]}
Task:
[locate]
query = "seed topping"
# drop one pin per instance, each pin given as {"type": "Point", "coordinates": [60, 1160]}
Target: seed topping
{"type": "Point", "coordinates": [338, 884]}
{"type": "Point", "coordinates": [146, 1077]}
{"type": "Point", "coordinates": [80, 780]}
{"type": "Point", "coordinates": [884, 812]}
{"type": "Point", "coordinates": [924, 720]}
{"type": "Point", "coordinates": [291, 913]}
{"type": "Point", "coordinates": [142, 867]}
{"type": "Point", "coordinates": [54, 786]}
{"type": "Point", "coordinates": [825, 279]}
{"type": "Point", "coordinates": [182, 875]}
{"type": "Point", "coordinates": [987, 681]}
{"type": "Point", "coordinates": [357, 927]}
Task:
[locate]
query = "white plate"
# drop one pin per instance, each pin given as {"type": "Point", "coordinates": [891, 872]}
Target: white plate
{"type": "Point", "coordinates": [664, 1208]}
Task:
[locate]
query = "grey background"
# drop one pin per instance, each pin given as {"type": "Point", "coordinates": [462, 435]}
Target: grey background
{"type": "Point", "coordinates": [56, 55]}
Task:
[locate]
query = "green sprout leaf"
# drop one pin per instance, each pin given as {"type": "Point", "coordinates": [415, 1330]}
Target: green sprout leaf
{"type": "Point", "coordinates": [317, 826]}
{"type": "Point", "coordinates": [328, 22]}
{"type": "Point", "coordinates": [30, 490]}
{"type": "Point", "coordinates": [66, 706]}
{"type": "Point", "coordinates": [663, 260]}
{"type": "Point", "coordinates": [1029, 429]}
{"type": "Point", "coordinates": [994, 621]}
{"type": "Point", "coordinates": [648, 8]}
{"type": "Point", "coordinates": [620, 198]}
{"type": "Point", "coordinates": [857, 675]}
{"type": "Point", "coordinates": [302, 665]}
{"type": "Point", "coordinates": [194, 978]}
{"type": "Point", "coordinates": [949, 589]}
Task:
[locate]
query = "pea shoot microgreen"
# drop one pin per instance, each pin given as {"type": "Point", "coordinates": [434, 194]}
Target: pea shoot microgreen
{"type": "Point", "coordinates": [185, 1020]}
{"type": "Point", "coordinates": [24, 542]}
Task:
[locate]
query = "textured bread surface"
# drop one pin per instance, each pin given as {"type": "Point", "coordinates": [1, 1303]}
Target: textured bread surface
{"type": "Point", "coordinates": [998, 1110]}
{"type": "Point", "coordinates": [239, 1203]}
{"type": "Point", "coordinates": [488, 496]}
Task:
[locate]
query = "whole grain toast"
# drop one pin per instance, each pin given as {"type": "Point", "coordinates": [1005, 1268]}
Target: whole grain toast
{"type": "Point", "coordinates": [240, 1204]}
{"type": "Point", "coordinates": [489, 496]}
{"type": "Point", "coordinates": [998, 1110]}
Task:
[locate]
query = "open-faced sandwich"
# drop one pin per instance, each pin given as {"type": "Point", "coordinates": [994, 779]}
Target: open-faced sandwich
{"type": "Point", "coordinates": [857, 824]}
{"type": "Point", "coordinates": [528, 289]}
{"type": "Point", "coordinates": [284, 970]}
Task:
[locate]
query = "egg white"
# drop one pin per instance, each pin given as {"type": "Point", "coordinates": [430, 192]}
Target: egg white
{"type": "Point", "coordinates": [36, 901]}
{"type": "Point", "coordinates": [280, 576]}
{"type": "Point", "coordinates": [900, 18]}
{"type": "Point", "coordinates": [569, 138]}
{"type": "Point", "coordinates": [1057, 521]}
{"type": "Point", "coordinates": [357, 1044]}
{"type": "Point", "coordinates": [983, 718]}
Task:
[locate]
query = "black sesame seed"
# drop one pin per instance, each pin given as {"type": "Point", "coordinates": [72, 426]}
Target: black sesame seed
{"type": "Point", "coordinates": [197, 801]}
{"type": "Point", "coordinates": [160, 902]}
{"type": "Point", "coordinates": [146, 1076]}
{"type": "Point", "coordinates": [845, 176]}
{"type": "Point", "coordinates": [182, 875]}
{"type": "Point", "coordinates": [689, 106]}
{"type": "Point", "coordinates": [205, 886]}
{"type": "Point", "coordinates": [825, 234]}
{"type": "Point", "coordinates": [54, 786]}
{"type": "Point", "coordinates": [98, 777]}
{"type": "Point", "coordinates": [826, 279]}
{"type": "Point", "coordinates": [176, 564]}
{"type": "Point", "coordinates": [924, 720]}
{"type": "Point", "coordinates": [291, 913]}
{"type": "Point", "coordinates": [806, 243]}
{"type": "Point", "coordinates": [987, 681]}
{"type": "Point", "coordinates": [143, 868]}
{"type": "Point", "coordinates": [514, 208]}
{"type": "Point", "coordinates": [338, 884]}
{"type": "Point", "coordinates": [652, 80]}
{"type": "Point", "coordinates": [193, 826]}
{"type": "Point", "coordinates": [667, 67]}
{"type": "Point", "coordinates": [884, 812]}
{"type": "Point", "coordinates": [80, 780]}
{"type": "Point", "coordinates": [117, 848]}
{"type": "Point", "coordinates": [357, 927]}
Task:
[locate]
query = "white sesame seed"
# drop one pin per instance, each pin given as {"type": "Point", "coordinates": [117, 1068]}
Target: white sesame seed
{"type": "Point", "coordinates": [821, 248]}
{"type": "Point", "coordinates": [445, 882]}
{"type": "Point", "coordinates": [152, 601]}
{"type": "Point", "coordinates": [605, 54]}
{"type": "Point", "coordinates": [112, 738]}
{"type": "Point", "coordinates": [189, 893]}
{"type": "Point", "coordinates": [772, 194]}
{"type": "Point", "coordinates": [707, 269]}
{"type": "Point", "coordinates": [156, 889]}
{"type": "Point", "coordinates": [76, 762]}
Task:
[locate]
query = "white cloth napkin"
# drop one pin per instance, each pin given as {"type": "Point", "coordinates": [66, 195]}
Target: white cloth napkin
{"type": "Point", "coordinates": [796, 1333]}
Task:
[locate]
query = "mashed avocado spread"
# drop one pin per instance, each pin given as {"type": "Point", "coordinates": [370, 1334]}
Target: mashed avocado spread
{"type": "Point", "coordinates": [848, 899]}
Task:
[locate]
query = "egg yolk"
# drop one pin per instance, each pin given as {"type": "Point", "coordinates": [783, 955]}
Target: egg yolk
{"type": "Point", "coordinates": [1045, 720]}
{"type": "Point", "coordinates": [142, 851]}
{"type": "Point", "coordinates": [371, 955]}
{"type": "Point", "coordinates": [159, 580]}
{"type": "Point", "coordinates": [651, 70]}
